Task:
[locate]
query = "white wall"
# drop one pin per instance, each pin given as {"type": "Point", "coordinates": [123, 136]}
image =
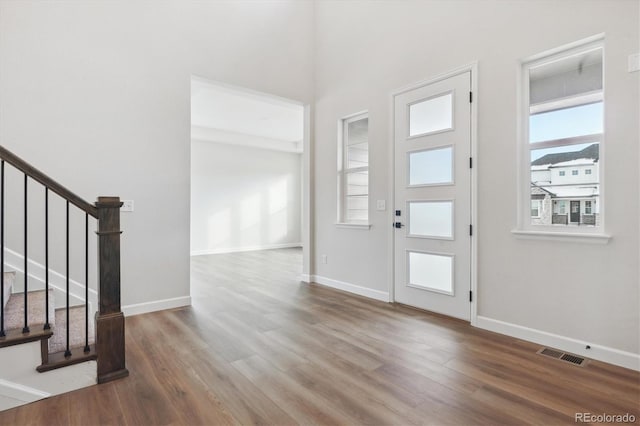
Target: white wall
{"type": "Point", "coordinates": [243, 198]}
{"type": "Point", "coordinates": [97, 95]}
{"type": "Point", "coordinates": [579, 291]}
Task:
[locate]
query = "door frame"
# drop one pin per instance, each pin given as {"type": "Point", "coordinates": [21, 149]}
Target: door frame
{"type": "Point", "coordinates": [306, 201]}
{"type": "Point", "coordinates": [473, 69]}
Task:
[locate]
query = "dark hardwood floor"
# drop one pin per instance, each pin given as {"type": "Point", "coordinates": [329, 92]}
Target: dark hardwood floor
{"type": "Point", "coordinates": [258, 347]}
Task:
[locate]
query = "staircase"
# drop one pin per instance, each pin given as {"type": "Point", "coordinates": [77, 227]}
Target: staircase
{"type": "Point", "coordinates": [51, 340]}
{"type": "Point", "coordinates": [54, 344]}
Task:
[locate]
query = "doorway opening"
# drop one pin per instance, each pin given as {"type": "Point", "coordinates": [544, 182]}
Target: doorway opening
{"type": "Point", "coordinates": [249, 178]}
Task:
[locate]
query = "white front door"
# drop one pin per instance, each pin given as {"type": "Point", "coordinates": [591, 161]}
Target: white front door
{"type": "Point", "coordinates": [433, 196]}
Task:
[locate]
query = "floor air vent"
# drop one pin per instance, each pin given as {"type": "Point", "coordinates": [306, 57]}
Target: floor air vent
{"type": "Point", "coordinates": [572, 359]}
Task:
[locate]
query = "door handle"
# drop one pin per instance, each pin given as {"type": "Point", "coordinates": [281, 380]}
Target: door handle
{"type": "Point", "coordinates": [397, 225]}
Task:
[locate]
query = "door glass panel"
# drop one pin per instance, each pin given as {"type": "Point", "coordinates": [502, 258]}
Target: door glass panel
{"type": "Point", "coordinates": [431, 219]}
{"type": "Point", "coordinates": [432, 115]}
{"type": "Point", "coordinates": [431, 272]}
{"type": "Point", "coordinates": [431, 167]}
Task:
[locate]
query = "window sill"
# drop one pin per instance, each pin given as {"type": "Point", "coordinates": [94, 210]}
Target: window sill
{"type": "Point", "coordinates": [364, 226]}
{"type": "Point", "coordinates": [570, 237]}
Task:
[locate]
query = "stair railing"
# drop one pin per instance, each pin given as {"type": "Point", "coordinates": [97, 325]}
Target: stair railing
{"type": "Point", "coordinates": [110, 344]}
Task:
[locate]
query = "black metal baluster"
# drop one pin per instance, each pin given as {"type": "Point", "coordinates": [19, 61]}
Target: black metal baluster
{"type": "Point", "coordinates": [67, 353]}
{"type": "Point", "coordinates": [47, 325]}
{"type": "Point", "coordinates": [25, 329]}
{"type": "Point", "coordinates": [86, 283]}
{"type": "Point", "coordinates": [2, 333]}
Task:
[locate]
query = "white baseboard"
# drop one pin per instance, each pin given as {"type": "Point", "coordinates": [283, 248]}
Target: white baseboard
{"type": "Point", "coordinates": [305, 278]}
{"type": "Point", "coordinates": [601, 353]}
{"type": "Point", "coordinates": [247, 248]}
{"type": "Point", "coordinates": [57, 281]}
{"type": "Point", "coordinates": [156, 305]}
{"type": "Point", "coordinates": [351, 288]}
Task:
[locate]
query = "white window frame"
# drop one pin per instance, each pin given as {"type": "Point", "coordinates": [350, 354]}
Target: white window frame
{"type": "Point", "coordinates": [525, 228]}
{"type": "Point", "coordinates": [344, 170]}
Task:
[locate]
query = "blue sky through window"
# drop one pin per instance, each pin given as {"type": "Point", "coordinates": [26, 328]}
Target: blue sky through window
{"type": "Point", "coordinates": [577, 121]}
{"type": "Point", "coordinates": [565, 123]}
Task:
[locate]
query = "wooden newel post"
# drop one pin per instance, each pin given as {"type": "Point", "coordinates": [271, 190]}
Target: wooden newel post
{"type": "Point", "coordinates": [109, 318]}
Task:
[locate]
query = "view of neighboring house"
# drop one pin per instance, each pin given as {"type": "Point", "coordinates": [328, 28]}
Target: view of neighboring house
{"type": "Point", "coordinates": [565, 188]}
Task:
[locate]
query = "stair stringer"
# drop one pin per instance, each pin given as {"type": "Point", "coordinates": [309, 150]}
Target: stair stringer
{"type": "Point", "coordinates": [15, 261]}
{"type": "Point", "coordinates": [20, 383]}
{"type": "Point", "coordinates": [14, 394]}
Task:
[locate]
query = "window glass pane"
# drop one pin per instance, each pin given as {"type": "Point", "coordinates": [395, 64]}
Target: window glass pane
{"type": "Point", "coordinates": [431, 115]}
{"type": "Point", "coordinates": [431, 219]}
{"type": "Point", "coordinates": [535, 208]}
{"type": "Point", "coordinates": [570, 77]}
{"type": "Point", "coordinates": [357, 155]}
{"type": "Point", "coordinates": [357, 199]}
{"type": "Point", "coordinates": [556, 179]}
{"type": "Point", "coordinates": [565, 123]}
{"type": "Point", "coordinates": [431, 271]}
{"type": "Point", "coordinates": [357, 209]}
{"type": "Point", "coordinates": [431, 167]}
{"type": "Point", "coordinates": [357, 183]}
{"type": "Point", "coordinates": [357, 143]}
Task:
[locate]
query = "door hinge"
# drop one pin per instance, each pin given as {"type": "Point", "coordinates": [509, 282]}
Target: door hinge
{"type": "Point", "coordinates": [470, 97]}
{"type": "Point", "coordinates": [470, 296]}
{"type": "Point", "coordinates": [470, 229]}
{"type": "Point", "coordinates": [471, 162]}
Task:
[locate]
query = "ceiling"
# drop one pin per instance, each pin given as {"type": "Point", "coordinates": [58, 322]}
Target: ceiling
{"type": "Point", "coordinates": [231, 115]}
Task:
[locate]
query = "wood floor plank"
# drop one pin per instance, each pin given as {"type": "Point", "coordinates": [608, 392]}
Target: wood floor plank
{"type": "Point", "coordinates": [98, 402]}
{"type": "Point", "coordinates": [259, 347]}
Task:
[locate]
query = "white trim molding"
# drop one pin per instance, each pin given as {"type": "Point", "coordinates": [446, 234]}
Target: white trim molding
{"type": "Point", "coordinates": [243, 249]}
{"type": "Point", "coordinates": [156, 305]}
{"type": "Point", "coordinates": [305, 278]}
{"type": "Point", "coordinates": [382, 296]}
{"type": "Point", "coordinates": [361, 226]}
{"type": "Point", "coordinates": [20, 392]}
{"type": "Point", "coordinates": [562, 236]}
{"type": "Point", "coordinates": [598, 352]}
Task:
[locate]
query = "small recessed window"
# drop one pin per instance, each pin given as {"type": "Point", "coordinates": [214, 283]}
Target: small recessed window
{"type": "Point", "coordinates": [587, 172]}
{"type": "Point", "coordinates": [561, 173]}
{"type": "Point", "coordinates": [587, 207]}
{"type": "Point", "coordinates": [535, 208]}
{"type": "Point", "coordinates": [574, 172]}
{"type": "Point", "coordinates": [353, 171]}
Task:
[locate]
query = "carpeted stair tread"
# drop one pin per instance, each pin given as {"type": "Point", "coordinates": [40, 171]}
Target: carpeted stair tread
{"type": "Point", "coordinates": [58, 342]}
{"type": "Point", "coordinates": [14, 311]}
{"type": "Point", "coordinates": [9, 278]}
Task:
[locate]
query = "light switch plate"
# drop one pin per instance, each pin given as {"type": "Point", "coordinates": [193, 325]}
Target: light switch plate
{"type": "Point", "coordinates": [127, 206]}
{"type": "Point", "coordinates": [381, 205]}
